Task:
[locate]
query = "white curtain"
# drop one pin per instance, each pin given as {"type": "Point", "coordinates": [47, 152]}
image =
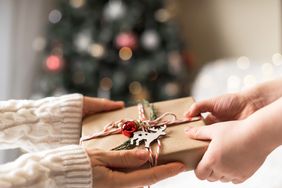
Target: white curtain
{"type": "Point", "coordinates": [21, 22]}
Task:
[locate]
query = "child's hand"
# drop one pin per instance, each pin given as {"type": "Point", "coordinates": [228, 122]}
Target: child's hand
{"type": "Point", "coordinates": [239, 105]}
{"type": "Point", "coordinates": [95, 105]}
{"type": "Point", "coordinates": [234, 153]}
{"type": "Point", "coordinates": [224, 108]}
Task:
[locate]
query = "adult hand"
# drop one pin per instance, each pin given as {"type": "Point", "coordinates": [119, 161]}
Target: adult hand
{"type": "Point", "coordinates": [234, 153]}
{"type": "Point", "coordinates": [104, 161]}
{"type": "Point", "coordinates": [95, 105]}
{"type": "Point", "coordinates": [227, 107]}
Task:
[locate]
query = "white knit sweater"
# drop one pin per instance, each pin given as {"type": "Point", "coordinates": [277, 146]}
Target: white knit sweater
{"type": "Point", "coordinates": [48, 129]}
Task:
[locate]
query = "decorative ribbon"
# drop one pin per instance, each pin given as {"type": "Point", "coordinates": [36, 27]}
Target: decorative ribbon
{"type": "Point", "coordinates": [116, 127]}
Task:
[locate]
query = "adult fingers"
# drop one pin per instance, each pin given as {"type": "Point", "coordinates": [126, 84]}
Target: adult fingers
{"type": "Point", "coordinates": [119, 159]}
{"type": "Point", "coordinates": [204, 167]}
{"type": "Point", "coordinates": [200, 107]}
{"type": "Point", "coordinates": [224, 179]}
{"type": "Point", "coordinates": [203, 171]}
{"type": "Point", "coordinates": [94, 105]}
{"type": "Point", "coordinates": [213, 177]}
{"type": "Point", "coordinates": [237, 181]}
{"type": "Point", "coordinates": [210, 119]}
{"type": "Point", "coordinates": [199, 133]}
{"type": "Point", "coordinates": [148, 176]}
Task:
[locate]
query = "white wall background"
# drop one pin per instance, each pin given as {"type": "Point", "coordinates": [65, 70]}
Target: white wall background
{"type": "Point", "coordinates": [230, 28]}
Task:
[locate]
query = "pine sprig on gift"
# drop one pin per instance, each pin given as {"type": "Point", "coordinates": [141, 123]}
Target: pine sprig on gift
{"type": "Point", "coordinates": [152, 109]}
{"type": "Point", "coordinates": [153, 113]}
{"type": "Point", "coordinates": [125, 146]}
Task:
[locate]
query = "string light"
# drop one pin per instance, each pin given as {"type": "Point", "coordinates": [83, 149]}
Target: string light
{"type": "Point", "coordinates": [126, 40]}
{"type": "Point", "coordinates": [162, 15]}
{"type": "Point", "coordinates": [106, 83]}
{"type": "Point", "coordinates": [96, 50]}
{"type": "Point", "coordinates": [77, 3]}
{"type": "Point", "coordinates": [55, 16]}
{"type": "Point", "coordinates": [135, 87]}
{"type": "Point", "coordinates": [125, 53]}
{"type": "Point", "coordinates": [114, 10]}
{"type": "Point", "coordinates": [83, 40]}
{"type": "Point", "coordinates": [54, 63]}
{"type": "Point", "coordinates": [150, 39]}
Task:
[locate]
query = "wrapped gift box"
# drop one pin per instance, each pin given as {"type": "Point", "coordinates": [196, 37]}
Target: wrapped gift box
{"type": "Point", "coordinates": [176, 146]}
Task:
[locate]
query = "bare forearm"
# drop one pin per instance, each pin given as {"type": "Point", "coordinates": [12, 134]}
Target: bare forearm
{"type": "Point", "coordinates": [266, 125]}
{"type": "Point", "coordinates": [265, 93]}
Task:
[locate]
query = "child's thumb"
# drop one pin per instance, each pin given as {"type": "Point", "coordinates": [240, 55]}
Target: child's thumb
{"type": "Point", "coordinates": [199, 133]}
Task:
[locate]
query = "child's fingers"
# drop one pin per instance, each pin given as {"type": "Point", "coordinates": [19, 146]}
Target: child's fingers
{"type": "Point", "coordinates": [199, 133]}
{"type": "Point", "coordinates": [210, 119]}
{"type": "Point", "coordinates": [203, 169]}
{"type": "Point", "coordinates": [199, 107]}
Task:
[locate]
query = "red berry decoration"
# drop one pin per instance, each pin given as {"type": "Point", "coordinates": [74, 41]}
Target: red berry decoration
{"type": "Point", "coordinates": [129, 128]}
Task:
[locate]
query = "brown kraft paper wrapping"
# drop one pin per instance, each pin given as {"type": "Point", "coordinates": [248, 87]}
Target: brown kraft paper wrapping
{"type": "Point", "coordinates": [176, 146]}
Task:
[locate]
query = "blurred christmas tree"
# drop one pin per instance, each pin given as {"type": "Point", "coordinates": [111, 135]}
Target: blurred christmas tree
{"type": "Point", "coordinates": [119, 49]}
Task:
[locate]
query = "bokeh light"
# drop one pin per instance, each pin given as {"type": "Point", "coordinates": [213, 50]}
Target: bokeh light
{"type": "Point", "coordinates": [77, 3]}
{"type": "Point", "coordinates": [96, 50]}
{"type": "Point", "coordinates": [125, 53]}
{"type": "Point", "coordinates": [277, 59]}
{"type": "Point", "coordinates": [162, 15]}
{"type": "Point", "coordinates": [135, 87]}
{"type": "Point", "coordinates": [126, 40]}
{"type": "Point", "coordinates": [172, 89]}
{"type": "Point", "coordinates": [54, 63]}
{"type": "Point", "coordinates": [243, 62]}
{"type": "Point", "coordinates": [150, 39]}
{"type": "Point", "coordinates": [83, 40]}
{"type": "Point", "coordinates": [114, 10]}
{"type": "Point", "coordinates": [55, 16]}
{"type": "Point", "coordinates": [106, 83]}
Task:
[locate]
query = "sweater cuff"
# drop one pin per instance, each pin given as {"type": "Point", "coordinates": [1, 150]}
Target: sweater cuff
{"type": "Point", "coordinates": [71, 107]}
{"type": "Point", "coordinates": [77, 167]}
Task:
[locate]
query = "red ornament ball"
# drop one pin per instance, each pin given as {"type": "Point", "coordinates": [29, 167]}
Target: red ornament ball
{"type": "Point", "coordinates": [126, 40]}
{"type": "Point", "coordinates": [129, 128]}
{"type": "Point", "coordinates": [54, 63]}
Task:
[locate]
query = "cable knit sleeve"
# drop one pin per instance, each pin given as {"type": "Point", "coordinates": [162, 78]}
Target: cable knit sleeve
{"type": "Point", "coordinates": [65, 167]}
{"type": "Point", "coordinates": [41, 124]}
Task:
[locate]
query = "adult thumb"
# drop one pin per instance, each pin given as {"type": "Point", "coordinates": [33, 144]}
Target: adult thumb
{"type": "Point", "coordinates": [119, 159]}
